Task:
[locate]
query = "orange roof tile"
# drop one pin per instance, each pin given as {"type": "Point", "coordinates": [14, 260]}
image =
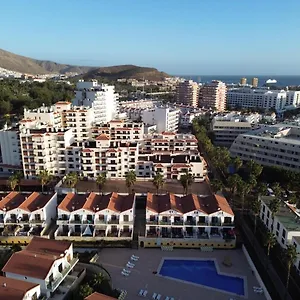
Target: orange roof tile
{"type": "Point", "coordinates": [102, 137]}
{"type": "Point", "coordinates": [35, 201]}
{"type": "Point", "coordinates": [12, 201]}
{"type": "Point", "coordinates": [98, 296]}
{"type": "Point", "coordinates": [14, 289]}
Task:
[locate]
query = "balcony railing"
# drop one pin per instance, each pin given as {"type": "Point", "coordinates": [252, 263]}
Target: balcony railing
{"type": "Point", "coordinates": [114, 222]}
{"type": "Point", "coordinates": [177, 223]}
{"type": "Point", "coordinates": [88, 221]}
{"type": "Point", "coordinates": [190, 223]}
{"type": "Point", "coordinates": [149, 222]}
{"type": "Point", "coordinates": [202, 223]}
{"type": "Point", "coordinates": [164, 222]}
{"type": "Point", "coordinates": [77, 221]}
{"type": "Point", "coordinates": [98, 221]}
{"type": "Point", "coordinates": [228, 224]}
{"type": "Point", "coordinates": [37, 221]}
{"type": "Point", "coordinates": [215, 223]}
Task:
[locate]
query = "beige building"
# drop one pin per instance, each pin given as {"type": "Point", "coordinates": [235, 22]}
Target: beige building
{"type": "Point", "coordinates": [187, 93]}
{"type": "Point", "coordinates": [243, 81]}
{"type": "Point", "coordinates": [213, 95]}
{"type": "Point", "coordinates": [255, 82]}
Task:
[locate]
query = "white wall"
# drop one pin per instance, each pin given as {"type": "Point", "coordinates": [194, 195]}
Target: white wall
{"type": "Point", "coordinates": [10, 150]}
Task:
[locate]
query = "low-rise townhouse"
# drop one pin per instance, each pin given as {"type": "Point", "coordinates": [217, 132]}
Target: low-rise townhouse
{"type": "Point", "coordinates": [44, 262]}
{"type": "Point", "coordinates": [96, 216]}
{"type": "Point", "coordinates": [25, 215]}
{"type": "Point", "coordinates": [190, 216]}
{"type": "Point", "coordinates": [285, 224]}
{"type": "Point", "coordinates": [98, 296]}
{"type": "Point", "coordinates": [14, 289]}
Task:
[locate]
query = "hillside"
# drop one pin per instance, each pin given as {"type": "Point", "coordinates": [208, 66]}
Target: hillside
{"type": "Point", "coordinates": [18, 63]}
{"type": "Point", "coordinates": [125, 71]}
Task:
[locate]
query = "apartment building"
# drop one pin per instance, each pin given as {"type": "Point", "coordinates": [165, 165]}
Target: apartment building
{"type": "Point", "coordinates": [213, 95]}
{"type": "Point", "coordinates": [227, 127]}
{"type": "Point", "coordinates": [44, 149]}
{"type": "Point", "coordinates": [15, 289]}
{"type": "Point", "coordinates": [165, 118]}
{"type": "Point", "coordinates": [285, 225]}
{"type": "Point", "coordinates": [170, 154]}
{"type": "Point", "coordinates": [44, 262]}
{"type": "Point", "coordinates": [96, 216]}
{"type": "Point", "coordinates": [191, 216]}
{"type": "Point", "coordinates": [247, 97]}
{"type": "Point", "coordinates": [81, 120]}
{"type": "Point", "coordinates": [187, 93]}
{"type": "Point", "coordinates": [44, 115]}
{"type": "Point", "coordinates": [120, 130]}
{"type": "Point", "coordinates": [101, 97]}
{"type": "Point", "coordinates": [25, 215]}
{"type": "Point", "coordinates": [274, 145]}
{"type": "Point", "coordinates": [296, 243]}
{"type": "Point", "coordinates": [10, 154]}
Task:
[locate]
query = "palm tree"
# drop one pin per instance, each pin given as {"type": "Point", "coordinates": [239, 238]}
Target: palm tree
{"type": "Point", "coordinates": [13, 182]}
{"type": "Point", "coordinates": [238, 163]}
{"type": "Point", "coordinates": [270, 241]}
{"type": "Point", "coordinates": [71, 180]}
{"type": "Point", "coordinates": [44, 177]}
{"type": "Point", "coordinates": [186, 180]}
{"type": "Point", "coordinates": [262, 188]}
{"type": "Point", "coordinates": [243, 189]}
{"type": "Point", "coordinates": [254, 168]}
{"type": "Point", "coordinates": [233, 182]}
{"type": "Point", "coordinates": [255, 207]}
{"type": "Point", "coordinates": [277, 189]}
{"type": "Point", "coordinates": [158, 181]}
{"type": "Point", "coordinates": [217, 185]}
{"type": "Point", "coordinates": [290, 256]}
{"type": "Point", "coordinates": [85, 290]}
{"type": "Point", "coordinates": [98, 279]}
{"type": "Point", "coordinates": [252, 181]}
{"type": "Point", "coordinates": [130, 179]}
{"type": "Point", "coordinates": [19, 175]}
{"type": "Point", "coordinates": [101, 180]}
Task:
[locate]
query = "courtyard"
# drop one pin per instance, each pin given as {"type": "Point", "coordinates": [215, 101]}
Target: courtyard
{"type": "Point", "coordinates": [143, 275]}
{"type": "Point", "coordinates": [141, 186]}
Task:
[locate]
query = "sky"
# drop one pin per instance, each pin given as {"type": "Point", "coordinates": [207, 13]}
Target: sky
{"type": "Point", "coordinates": [186, 37]}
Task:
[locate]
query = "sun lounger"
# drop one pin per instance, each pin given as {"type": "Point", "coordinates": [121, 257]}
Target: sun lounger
{"type": "Point", "coordinates": [258, 291]}
{"type": "Point", "coordinates": [134, 259]}
{"type": "Point", "coordinates": [134, 256]}
{"type": "Point", "coordinates": [131, 264]}
{"type": "Point", "coordinates": [145, 293]}
{"type": "Point", "coordinates": [158, 297]}
{"type": "Point", "coordinates": [167, 298]}
{"type": "Point", "coordinates": [141, 292]}
{"type": "Point", "coordinates": [154, 296]}
{"type": "Point", "coordinates": [125, 273]}
{"type": "Point", "coordinates": [171, 298]}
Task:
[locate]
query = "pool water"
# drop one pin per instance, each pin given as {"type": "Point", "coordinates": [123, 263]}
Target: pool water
{"type": "Point", "coordinates": [202, 272]}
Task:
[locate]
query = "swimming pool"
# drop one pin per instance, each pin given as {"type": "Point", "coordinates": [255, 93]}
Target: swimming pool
{"type": "Point", "coordinates": [202, 272]}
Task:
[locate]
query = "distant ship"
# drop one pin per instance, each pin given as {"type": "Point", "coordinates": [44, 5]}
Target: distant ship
{"type": "Point", "coordinates": [271, 81]}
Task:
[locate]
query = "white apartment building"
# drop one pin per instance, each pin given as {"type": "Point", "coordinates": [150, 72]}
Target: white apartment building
{"type": "Point", "coordinates": [25, 215]}
{"type": "Point", "coordinates": [191, 216]}
{"type": "Point", "coordinates": [285, 225]}
{"type": "Point", "coordinates": [44, 149]}
{"type": "Point", "coordinates": [170, 154]}
{"type": "Point", "coordinates": [101, 97]}
{"type": "Point", "coordinates": [296, 243]}
{"type": "Point", "coordinates": [275, 145]}
{"type": "Point", "coordinates": [18, 290]}
{"type": "Point", "coordinates": [227, 127]}
{"type": "Point", "coordinates": [262, 98]}
{"type": "Point", "coordinates": [96, 216]}
{"type": "Point", "coordinates": [165, 118]}
{"type": "Point", "coordinates": [45, 262]}
{"type": "Point", "coordinates": [44, 115]}
{"type": "Point", "coordinates": [120, 130]}
{"type": "Point", "coordinates": [10, 154]}
{"type": "Point", "coordinates": [81, 120]}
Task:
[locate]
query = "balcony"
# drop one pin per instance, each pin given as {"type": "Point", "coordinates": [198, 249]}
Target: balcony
{"type": "Point", "coordinates": [201, 223]}
{"type": "Point", "coordinates": [177, 223]}
{"type": "Point", "coordinates": [215, 223]}
{"type": "Point", "coordinates": [100, 221]}
{"type": "Point", "coordinates": [37, 221]}
{"type": "Point", "coordinates": [62, 221]}
{"type": "Point", "coordinates": [24, 220]}
{"type": "Point", "coordinates": [190, 223]}
{"type": "Point", "coordinates": [164, 222]}
{"type": "Point", "coordinates": [53, 285]}
{"type": "Point", "coordinates": [116, 221]}
{"type": "Point", "coordinates": [228, 224]}
{"type": "Point", "coordinates": [75, 221]}
{"type": "Point", "coordinates": [153, 222]}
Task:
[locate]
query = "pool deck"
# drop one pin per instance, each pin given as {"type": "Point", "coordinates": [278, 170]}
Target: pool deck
{"type": "Point", "coordinates": [142, 277]}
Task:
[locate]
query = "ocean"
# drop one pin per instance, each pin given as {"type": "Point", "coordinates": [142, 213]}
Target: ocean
{"type": "Point", "coordinates": [282, 81]}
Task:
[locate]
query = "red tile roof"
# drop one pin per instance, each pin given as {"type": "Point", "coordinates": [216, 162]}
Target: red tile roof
{"type": "Point", "coordinates": [13, 289]}
{"type": "Point", "coordinates": [12, 201]}
{"type": "Point", "coordinates": [72, 202]}
{"type": "Point", "coordinates": [102, 137]}
{"type": "Point", "coordinates": [35, 201]}
{"type": "Point", "coordinates": [98, 296]}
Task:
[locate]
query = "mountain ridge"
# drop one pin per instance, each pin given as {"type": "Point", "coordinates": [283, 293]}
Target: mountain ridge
{"type": "Point", "coordinates": [27, 65]}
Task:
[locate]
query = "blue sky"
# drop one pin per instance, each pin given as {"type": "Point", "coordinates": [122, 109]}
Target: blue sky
{"type": "Point", "coordinates": [177, 36]}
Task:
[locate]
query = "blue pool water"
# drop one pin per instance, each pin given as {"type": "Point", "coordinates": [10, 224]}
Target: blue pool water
{"type": "Point", "coordinates": [202, 272]}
